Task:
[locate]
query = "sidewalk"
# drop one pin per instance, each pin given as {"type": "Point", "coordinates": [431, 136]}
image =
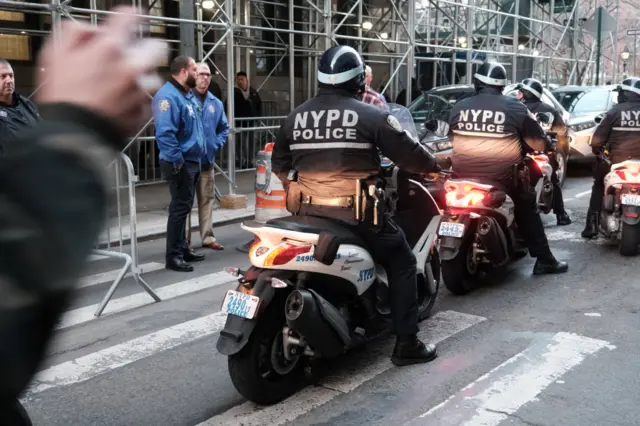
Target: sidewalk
{"type": "Point", "coordinates": [152, 212]}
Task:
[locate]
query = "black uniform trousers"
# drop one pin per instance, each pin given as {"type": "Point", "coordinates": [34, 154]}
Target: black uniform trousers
{"type": "Point", "coordinates": [600, 170]}
{"type": "Point", "coordinates": [528, 220]}
{"type": "Point", "coordinates": [558, 201]}
{"type": "Point", "coordinates": [388, 247]}
{"type": "Point", "coordinates": [182, 185]}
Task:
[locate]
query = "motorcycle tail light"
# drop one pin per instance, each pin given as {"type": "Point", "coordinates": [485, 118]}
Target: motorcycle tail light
{"type": "Point", "coordinates": [285, 252]}
{"type": "Point", "coordinates": [470, 198]}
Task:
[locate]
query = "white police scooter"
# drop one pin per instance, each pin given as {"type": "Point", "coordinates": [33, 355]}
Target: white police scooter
{"type": "Point", "coordinates": [314, 290]}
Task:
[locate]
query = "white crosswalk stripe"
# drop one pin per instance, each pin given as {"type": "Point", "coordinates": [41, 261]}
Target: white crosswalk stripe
{"type": "Point", "coordinates": [493, 397]}
{"type": "Point", "coordinates": [84, 314]}
{"type": "Point", "coordinates": [108, 276]}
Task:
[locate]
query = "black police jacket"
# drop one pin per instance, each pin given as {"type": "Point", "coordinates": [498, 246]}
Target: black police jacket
{"type": "Point", "coordinates": [620, 129]}
{"type": "Point", "coordinates": [490, 133]}
{"type": "Point", "coordinates": [333, 139]}
{"type": "Point", "coordinates": [558, 126]}
{"type": "Point", "coordinates": [22, 113]}
{"type": "Point", "coordinates": [53, 191]}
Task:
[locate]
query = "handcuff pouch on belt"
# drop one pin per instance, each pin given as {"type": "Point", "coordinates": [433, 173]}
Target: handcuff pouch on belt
{"type": "Point", "coordinates": [370, 202]}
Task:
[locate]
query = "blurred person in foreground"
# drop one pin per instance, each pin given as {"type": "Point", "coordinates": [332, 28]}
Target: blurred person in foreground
{"type": "Point", "coordinates": [53, 185]}
{"type": "Point", "coordinates": [16, 111]}
{"type": "Point", "coordinates": [216, 130]}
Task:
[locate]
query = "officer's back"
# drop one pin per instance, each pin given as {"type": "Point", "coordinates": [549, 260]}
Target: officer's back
{"type": "Point", "coordinates": [488, 130]}
{"type": "Point", "coordinates": [331, 143]}
{"type": "Point", "coordinates": [620, 127]}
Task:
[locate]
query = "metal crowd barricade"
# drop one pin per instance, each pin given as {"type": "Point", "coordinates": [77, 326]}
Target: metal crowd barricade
{"type": "Point", "coordinates": [130, 260]}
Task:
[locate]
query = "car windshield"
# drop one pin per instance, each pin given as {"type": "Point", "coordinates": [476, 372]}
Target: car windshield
{"type": "Point", "coordinates": [567, 98]}
{"type": "Point", "coordinates": [434, 106]}
{"type": "Point", "coordinates": [590, 102]}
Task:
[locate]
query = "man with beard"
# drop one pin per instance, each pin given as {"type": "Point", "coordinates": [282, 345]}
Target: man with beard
{"type": "Point", "coordinates": [16, 111]}
{"type": "Point", "coordinates": [181, 142]}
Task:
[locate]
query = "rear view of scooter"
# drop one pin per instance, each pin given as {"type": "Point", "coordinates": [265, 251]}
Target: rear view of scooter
{"type": "Point", "coordinates": [542, 170]}
{"type": "Point", "coordinates": [620, 215]}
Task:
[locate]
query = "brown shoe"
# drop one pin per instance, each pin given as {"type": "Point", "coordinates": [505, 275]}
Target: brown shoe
{"type": "Point", "coordinates": [214, 246]}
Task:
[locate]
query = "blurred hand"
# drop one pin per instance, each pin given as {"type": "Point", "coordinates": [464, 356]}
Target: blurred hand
{"type": "Point", "coordinates": [102, 69]}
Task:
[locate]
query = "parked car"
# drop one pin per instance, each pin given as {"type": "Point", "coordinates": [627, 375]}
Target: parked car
{"type": "Point", "coordinates": [566, 94]}
{"type": "Point", "coordinates": [431, 114]}
{"type": "Point", "coordinates": [587, 102]}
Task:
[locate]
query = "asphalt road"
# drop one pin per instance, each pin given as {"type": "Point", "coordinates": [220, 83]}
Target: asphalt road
{"type": "Point", "coordinates": [555, 350]}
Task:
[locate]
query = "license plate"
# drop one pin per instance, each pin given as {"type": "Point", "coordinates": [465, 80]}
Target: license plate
{"type": "Point", "coordinates": [448, 229]}
{"type": "Point", "coordinates": [240, 304]}
{"type": "Point", "coordinates": [630, 199]}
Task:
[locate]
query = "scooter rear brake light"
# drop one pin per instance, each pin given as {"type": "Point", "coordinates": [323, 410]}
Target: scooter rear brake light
{"type": "Point", "coordinates": [285, 252]}
{"type": "Point", "coordinates": [465, 199]}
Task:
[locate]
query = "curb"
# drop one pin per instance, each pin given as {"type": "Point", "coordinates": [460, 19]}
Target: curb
{"type": "Point", "coordinates": [155, 235]}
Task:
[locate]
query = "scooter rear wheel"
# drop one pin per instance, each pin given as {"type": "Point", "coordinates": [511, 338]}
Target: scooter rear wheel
{"type": "Point", "coordinates": [630, 240]}
{"type": "Point", "coordinates": [459, 274]}
{"type": "Point", "coordinates": [259, 372]}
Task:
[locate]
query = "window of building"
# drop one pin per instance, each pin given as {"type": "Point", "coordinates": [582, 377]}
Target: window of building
{"type": "Point", "coordinates": [11, 16]}
{"type": "Point", "coordinates": [15, 47]}
{"type": "Point", "coordinates": [157, 9]}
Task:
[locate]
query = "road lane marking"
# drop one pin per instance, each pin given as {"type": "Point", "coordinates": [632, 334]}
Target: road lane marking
{"type": "Point", "coordinates": [85, 314]}
{"type": "Point", "coordinates": [436, 329]}
{"type": "Point", "coordinates": [110, 276]}
{"type": "Point", "coordinates": [495, 396]}
{"type": "Point", "coordinates": [89, 366]}
{"type": "Point", "coordinates": [582, 194]}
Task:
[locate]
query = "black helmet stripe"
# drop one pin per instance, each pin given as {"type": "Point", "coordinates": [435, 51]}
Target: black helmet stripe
{"type": "Point", "coordinates": [341, 77]}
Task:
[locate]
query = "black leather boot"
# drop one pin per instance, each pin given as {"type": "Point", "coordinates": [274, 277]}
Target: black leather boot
{"type": "Point", "coordinates": [411, 350]}
{"type": "Point", "coordinates": [548, 264]}
{"type": "Point", "coordinates": [177, 264]}
{"type": "Point", "coordinates": [563, 219]}
{"type": "Point", "coordinates": [191, 256]}
{"type": "Point", "coordinates": [592, 225]}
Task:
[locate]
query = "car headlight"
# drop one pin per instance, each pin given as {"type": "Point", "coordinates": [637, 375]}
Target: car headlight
{"type": "Point", "coordinates": [582, 126]}
{"type": "Point", "coordinates": [438, 146]}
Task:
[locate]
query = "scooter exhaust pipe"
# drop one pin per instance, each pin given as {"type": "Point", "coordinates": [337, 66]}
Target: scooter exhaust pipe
{"type": "Point", "coordinates": [493, 240]}
{"type": "Point", "coordinates": [318, 321]}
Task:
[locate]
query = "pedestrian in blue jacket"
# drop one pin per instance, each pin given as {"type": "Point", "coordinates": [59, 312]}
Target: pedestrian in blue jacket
{"type": "Point", "coordinates": [216, 130]}
{"type": "Point", "coordinates": [181, 142]}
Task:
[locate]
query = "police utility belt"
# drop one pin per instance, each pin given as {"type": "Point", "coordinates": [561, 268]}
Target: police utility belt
{"type": "Point", "coordinates": [369, 203]}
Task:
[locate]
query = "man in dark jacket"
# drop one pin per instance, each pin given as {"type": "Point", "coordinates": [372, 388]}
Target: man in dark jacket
{"type": "Point", "coordinates": [53, 187]}
{"type": "Point", "coordinates": [619, 130]}
{"type": "Point", "coordinates": [490, 133]}
{"type": "Point", "coordinates": [532, 90]}
{"type": "Point", "coordinates": [16, 111]}
{"type": "Point", "coordinates": [332, 142]}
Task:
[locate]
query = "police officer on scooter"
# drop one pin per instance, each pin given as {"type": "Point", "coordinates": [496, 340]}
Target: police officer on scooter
{"type": "Point", "coordinates": [490, 133]}
{"type": "Point", "coordinates": [531, 90]}
{"type": "Point", "coordinates": [619, 129]}
{"type": "Point", "coordinates": [332, 142]}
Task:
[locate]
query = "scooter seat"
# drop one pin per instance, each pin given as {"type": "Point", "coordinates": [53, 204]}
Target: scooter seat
{"type": "Point", "coordinates": [317, 225]}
